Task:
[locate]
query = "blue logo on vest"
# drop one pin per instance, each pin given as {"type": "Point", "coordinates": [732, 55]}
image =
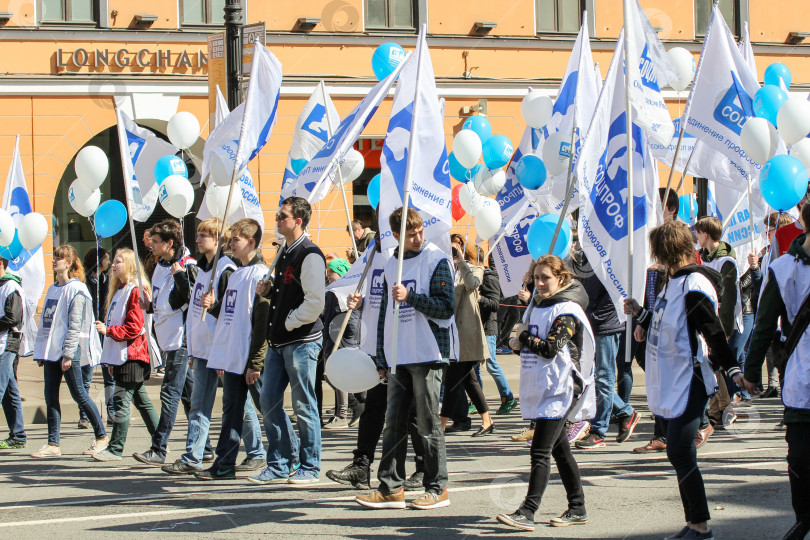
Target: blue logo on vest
{"type": "Point", "coordinates": [377, 280]}
{"type": "Point", "coordinates": [735, 107]}
{"type": "Point", "coordinates": [48, 311]}
{"type": "Point", "coordinates": [198, 292]}
{"type": "Point", "coordinates": [409, 284]}
{"type": "Point", "coordinates": [230, 301]}
{"type": "Point", "coordinates": [609, 194]}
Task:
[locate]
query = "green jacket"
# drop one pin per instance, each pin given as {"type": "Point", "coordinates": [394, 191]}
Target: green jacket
{"type": "Point", "coordinates": [771, 309]}
{"type": "Point", "coordinates": [728, 298]}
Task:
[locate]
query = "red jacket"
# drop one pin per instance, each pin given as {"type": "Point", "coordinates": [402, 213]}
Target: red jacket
{"type": "Point", "coordinates": [130, 331]}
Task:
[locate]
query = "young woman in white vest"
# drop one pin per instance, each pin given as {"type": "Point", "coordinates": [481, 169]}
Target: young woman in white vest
{"type": "Point", "coordinates": [125, 353]}
{"type": "Point", "coordinates": [686, 344]}
{"type": "Point", "coordinates": [556, 346]}
{"type": "Point", "coordinates": [787, 287]}
{"type": "Point", "coordinates": [66, 340]}
{"type": "Point", "coordinates": [12, 300]}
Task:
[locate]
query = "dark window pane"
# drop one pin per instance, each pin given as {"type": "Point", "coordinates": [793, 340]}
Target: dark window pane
{"type": "Point", "coordinates": [375, 13]}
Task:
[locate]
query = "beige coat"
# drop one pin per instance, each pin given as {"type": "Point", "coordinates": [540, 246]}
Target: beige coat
{"type": "Point", "coordinates": [472, 340]}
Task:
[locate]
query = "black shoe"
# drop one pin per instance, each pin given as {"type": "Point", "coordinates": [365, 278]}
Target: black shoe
{"type": "Point", "coordinates": [208, 457]}
{"type": "Point", "coordinates": [150, 458]}
{"type": "Point", "coordinates": [797, 532]}
{"type": "Point", "coordinates": [457, 427]}
{"type": "Point", "coordinates": [355, 475]}
{"type": "Point", "coordinates": [484, 431]}
{"type": "Point", "coordinates": [415, 482]}
{"type": "Point", "coordinates": [179, 467]}
{"type": "Point", "coordinates": [84, 423]}
{"type": "Point", "coordinates": [249, 464]}
{"type": "Point", "coordinates": [569, 518]}
{"type": "Point", "coordinates": [215, 474]}
{"type": "Point", "coordinates": [516, 520]}
{"type": "Point", "coordinates": [692, 534]}
{"type": "Point", "coordinates": [770, 393]}
{"type": "Point", "coordinates": [626, 426]}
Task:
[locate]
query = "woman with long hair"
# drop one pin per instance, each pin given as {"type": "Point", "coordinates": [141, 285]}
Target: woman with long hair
{"type": "Point", "coordinates": [66, 341]}
{"type": "Point", "coordinates": [556, 347]}
{"type": "Point", "coordinates": [96, 264]}
{"type": "Point", "coordinates": [126, 351]}
{"type": "Point", "coordinates": [686, 344]}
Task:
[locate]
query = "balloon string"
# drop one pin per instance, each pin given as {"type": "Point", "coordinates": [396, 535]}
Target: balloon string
{"type": "Point", "coordinates": [98, 267]}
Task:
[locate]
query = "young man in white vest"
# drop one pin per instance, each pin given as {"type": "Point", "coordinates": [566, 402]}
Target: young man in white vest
{"type": "Point", "coordinates": [297, 297]}
{"type": "Point", "coordinates": [200, 341]}
{"type": "Point", "coordinates": [427, 304]}
{"type": "Point", "coordinates": [239, 344]}
{"type": "Point", "coordinates": [11, 317]}
{"type": "Point", "coordinates": [176, 270]}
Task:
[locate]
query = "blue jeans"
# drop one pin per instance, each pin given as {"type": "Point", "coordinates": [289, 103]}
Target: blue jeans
{"type": "Point", "coordinates": [738, 344]}
{"type": "Point", "coordinates": [87, 378]}
{"type": "Point", "coordinates": [12, 404]}
{"type": "Point", "coordinates": [607, 400]}
{"type": "Point", "coordinates": [295, 366]}
{"type": "Point", "coordinates": [497, 373]}
{"type": "Point", "coordinates": [175, 365]}
{"type": "Point", "coordinates": [73, 377]}
{"type": "Point", "coordinates": [237, 423]}
{"type": "Point", "coordinates": [624, 373]}
{"type": "Point", "coordinates": [199, 417]}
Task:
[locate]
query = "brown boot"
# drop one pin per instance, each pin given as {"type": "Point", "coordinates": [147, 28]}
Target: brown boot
{"type": "Point", "coordinates": [653, 446]}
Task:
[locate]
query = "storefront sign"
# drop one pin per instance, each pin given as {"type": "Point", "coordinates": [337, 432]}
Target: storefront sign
{"type": "Point", "coordinates": [133, 59]}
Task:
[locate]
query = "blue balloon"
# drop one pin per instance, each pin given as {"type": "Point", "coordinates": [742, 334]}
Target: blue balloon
{"type": "Point", "coordinates": [783, 182]}
{"type": "Point", "coordinates": [687, 208]}
{"type": "Point", "coordinates": [458, 171]}
{"type": "Point", "coordinates": [498, 151]}
{"type": "Point", "coordinates": [541, 231]}
{"type": "Point", "coordinates": [298, 165]}
{"type": "Point", "coordinates": [13, 250]}
{"type": "Point", "coordinates": [767, 101]}
{"type": "Point", "coordinates": [374, 191]}
{"type": "Point", "coordinates": [111, 216]}
{"type": "Point", "coordinates": [169, 165]}
{"type": "Point", "coordinates": [480, 125]}
{"type": "Point", "coordinates": [386, 58]}
{"type": "Point", "coordinates": [777, 71]}
{"type": "Point", "coordinates": [531, 172]}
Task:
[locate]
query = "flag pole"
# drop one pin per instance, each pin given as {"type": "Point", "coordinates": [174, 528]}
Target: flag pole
{"type": "Point", "coordinates": [751, 216]}
{"type": "Point", "coordinates": [349, 311]}
{"type": "Point", "coordinates": [569, 191]}
{"type": "Point", "coordinates": [733, 210]}
{"type": "Point", "coordinates": [672, 167]}
{"type": "Point", "coordinates": [630, 186]}
{"type": "Point", "coordinates": [405, 197]}
{"type": "Point", "coordinates": [686, 167]}
{"type": "Point", "coordinates": [340, 177]}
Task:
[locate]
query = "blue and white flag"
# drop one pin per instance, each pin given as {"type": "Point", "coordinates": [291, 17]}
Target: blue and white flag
{"type": "Point", "coordinates": [322, 168]}
{"type": "Point", "coordinates": [747, 51]}
{"type": "Point", "coordinates": [29, 265]}
{"type": "Point", "coordinates": [310, 134]}
{"type": "Point", "coordinates": [602, 169]}
{"type": "Point", "coordinates": [414, 155]}
{"type": "Point", "coordinates": [666, 152]}
{"type": "Point", "coordinates": [140, 151]}
{"type": "Point", "coordinates": [222, 109]}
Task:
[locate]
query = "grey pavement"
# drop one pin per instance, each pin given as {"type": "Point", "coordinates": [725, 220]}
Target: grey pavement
{"type": "Point", "coordinates": [627, 495]}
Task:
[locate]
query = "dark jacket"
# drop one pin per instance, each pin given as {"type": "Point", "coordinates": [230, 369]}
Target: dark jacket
{"type": "Point", "coordinates": [489, 300]}
{"type": "Point", "coordinates": [750, 283]}
{"type": "Point", "coordinates": [727, 296]}
{"type": "Point", "coordinates": [102, 283]}
{"type": "Point", "coordinates": [600, 309]}
{"type": "Point", "coordinates": [12, 318]}
{"type": "Point", "coordinates": [331, 310]}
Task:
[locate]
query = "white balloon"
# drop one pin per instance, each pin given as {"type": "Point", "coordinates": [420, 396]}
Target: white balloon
{"type": "Point", "coordinates": [488, 219]}
{"type": "Point", "coordinates": [536, 109]}
{"type": "Point", "coordinates": [489, 181]}
{"type": "Point", "coordinates": [801, 151]}
{"type": "Point", "coordinates": [351, 166]}
{"type": "Point", "coordinates": [351, 370]}
{"type": "Point", "coordinates": [793, 119]}
{"type": "Point", "coordinates": [221, 169]}
{"type": "Point", "coordinates": [92, 166]}
{"type": "Point", "coordinates": [216, 198]}
{"type": "Point", "coordinates": [176, 195]}
{"type": "Point", "coordinates": [469, 199]}
{"type": "Point", "coordinates": [32, 230]}
{"type": "Point", "coordinates": [467, 148]}
{"type": "Point", "coordinates": [555, 153]}
{"type": "Point", "coordinates": [684, 64]}
{"type": "Point", "coordinates": [183, 130]}
{"type": "Point", "coordinates": [759, 139]}
{"type": "Point", "coordinates": [7, 228]}
{"type": "Point", "coordinates": [83, 200]}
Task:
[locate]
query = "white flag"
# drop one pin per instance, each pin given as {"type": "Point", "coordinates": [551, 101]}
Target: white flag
{"type": "Point", "coordinates": [310, 134]}
{"type": "Point", "coordinates": [602, 170]}
{"type": "Point", "coordinates": [140, 151]}
{"type": "Point", "coordinates": [29, 265]}
{"type": "Point", "coordinates": [222, 109]}
{"type": "Point", "coordinates": [747, 51]}
{"type": "Point", "coordinates": [414, 155]}
{"type": "Point", "coordinates": [666, 152]}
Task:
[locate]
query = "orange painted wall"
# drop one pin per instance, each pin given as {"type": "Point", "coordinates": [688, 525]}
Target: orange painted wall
{"type": "Point", "coordinates": [514, 18]}
{"type": "Point", "coordinates": [281, 15]}
{"type": "Point", "coordinates": [166, 13]}
{"type": "Point", "coordinates": [677, 17]}
{"type": "Point", "coordinates": [772, 21]}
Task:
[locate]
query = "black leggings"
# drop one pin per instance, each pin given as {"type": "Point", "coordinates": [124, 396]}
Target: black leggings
{"type": "Point", "coordinates": [798, 458]}
{"type": "Point", "coordinates": [461, 376]}
{"type": "Point", "coordinates": [545, 446]}
{"type": "Point", "coordinates": [682, 453]}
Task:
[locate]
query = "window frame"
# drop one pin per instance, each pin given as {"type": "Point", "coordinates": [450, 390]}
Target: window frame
{"type": "Point", "coordinates": [584, 5]}
{"type": "Point", "coordinates": [67, 7]}
{"type": "Point", "coordinates": [736, 26]}
{"type": "Point", "coordinates": [419, 17]}
{"type": "Point", "coordinates": [208, 15]}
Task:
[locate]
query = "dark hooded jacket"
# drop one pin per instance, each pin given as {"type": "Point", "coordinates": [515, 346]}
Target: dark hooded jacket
{"type": "Point", "coordinates": [728, 297]}
{"type": "Point", "coordinates": [600, 310]}
{"type": "Point", "coordinates": [12, 318]}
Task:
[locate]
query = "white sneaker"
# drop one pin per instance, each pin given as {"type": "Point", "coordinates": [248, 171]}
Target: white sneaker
{"type": "Point", "coordinates": [97, 446]}
{"type": "Point", "coordinates": [48, 450]}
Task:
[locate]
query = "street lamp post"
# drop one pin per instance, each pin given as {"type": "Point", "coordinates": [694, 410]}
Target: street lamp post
{"type": "Point", "coordinates": [233, 50]}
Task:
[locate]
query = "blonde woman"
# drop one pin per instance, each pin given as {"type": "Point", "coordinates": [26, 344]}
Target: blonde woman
{"type": "Point", "coordinates": [65, 341]}
{"type": "Point", "coordinates": [126, 351]}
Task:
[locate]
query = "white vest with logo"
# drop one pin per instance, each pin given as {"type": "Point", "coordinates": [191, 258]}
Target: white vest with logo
{"type": "Point", "coordinates": [199, 333]}
{"type": "Point", "coordinates": [717, 264]}
{"type": "Point", "coordinates": [115, 353]}
{"type": "Point", "coordinates": [670, 362]}
{"type": "Point", "coordinates": [416, 342]}
{"type": "Point", "coordinates": [233, 332]}
{"type": "Point", "coordinates": [547, 384]}
{"type": "Point", "coordinates": [793, 279]}
{"type": "Point", "coordinates": [169, 327]}
{"type": "Point", "coordinates": [371, 305]}
{"type": "Point", "coordinates": [53, 325]}
{"type": "Point", "coordinates": [9, 287]}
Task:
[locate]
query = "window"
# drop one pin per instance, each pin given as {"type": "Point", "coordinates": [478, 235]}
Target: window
{"type": "Point", "coordinates": [391, 14]}
{"type": "Point", "coordinates": [731, 10]}
{"type": "Point", "coordinates": [74, 11]}
{"type": "Point", "coordinates": [204, 11]}
{"type": "Point", "coordinates": [559, 16]}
